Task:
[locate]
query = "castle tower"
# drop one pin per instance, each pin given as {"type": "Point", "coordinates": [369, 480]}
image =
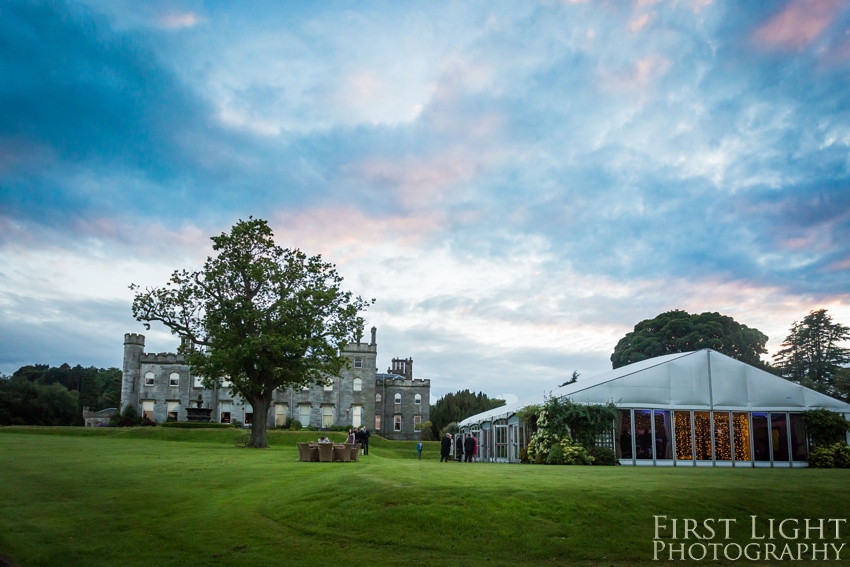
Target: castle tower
{"type": "Point", "coordinates": [134, 348]}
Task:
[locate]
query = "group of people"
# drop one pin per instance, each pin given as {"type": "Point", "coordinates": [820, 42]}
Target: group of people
{"type": "Point", "coordinates": [459, 447]}
{"type": "Point", "coordinates": [360, 435]}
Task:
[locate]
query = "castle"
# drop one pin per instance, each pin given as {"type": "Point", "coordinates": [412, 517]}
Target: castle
{"type": "Point", "coordinates": [391, 404]}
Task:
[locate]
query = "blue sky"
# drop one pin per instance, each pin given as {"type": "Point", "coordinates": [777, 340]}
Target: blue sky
{"type": "Point", "coordinates": [517, 183]}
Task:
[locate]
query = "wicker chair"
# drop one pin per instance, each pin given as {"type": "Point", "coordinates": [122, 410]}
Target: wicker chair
{"type": "Point", "coordinates": [354, 450]}
{"type": "Point", "coordinates": [326, 452]}
{"type": "Point", "coordinates": [304, 452]}
{"type": "Point", "coordinates": [342, 453]}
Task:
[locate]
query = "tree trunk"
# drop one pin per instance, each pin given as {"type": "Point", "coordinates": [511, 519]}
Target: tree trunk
{"type": "Point", "coordinates": [261, 407]}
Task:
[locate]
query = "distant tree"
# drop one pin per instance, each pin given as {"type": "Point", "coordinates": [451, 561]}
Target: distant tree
{"type": "Point", "coordinates": [572, 380]}
{"type": "Point", "coordinates": [264, 317]}
{"type": "Point", "coordinates": [97, 388]}
{"type": "Point", "coordinates": [679, 331]}
{"type": "Point", "coordinates": [458, 406]}
{"type": "Point", "coordinates": [23, 402]}
{"type": "Point", "coordinates": [811, 354]}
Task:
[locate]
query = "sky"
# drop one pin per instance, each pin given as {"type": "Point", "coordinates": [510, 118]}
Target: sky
{"type": "Point", "coordinates": [517, 183]}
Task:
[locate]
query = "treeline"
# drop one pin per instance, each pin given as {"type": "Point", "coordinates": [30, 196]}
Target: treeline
{"type": "Point", "coordinates": [43, 395]}
{"type": "Point", "coordinates": [456, 407]}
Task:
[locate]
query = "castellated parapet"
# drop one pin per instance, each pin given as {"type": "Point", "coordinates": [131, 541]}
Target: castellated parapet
{"type": "Point", "coordinates": [161, 387]}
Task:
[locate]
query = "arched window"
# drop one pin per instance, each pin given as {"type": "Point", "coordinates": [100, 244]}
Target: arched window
{"type": "Point", "coordinates": [417, 399]}
{"type": "Point", "coordinates": [358, 384]}
{"type": "Point", "coordinates": [378, 397]}
{"type": "Point", "coordinates": [174, 380]}
{"type": "Point", "coordinates": [149, 378]}
{"type": "Point", "coordinates": [398, 398]}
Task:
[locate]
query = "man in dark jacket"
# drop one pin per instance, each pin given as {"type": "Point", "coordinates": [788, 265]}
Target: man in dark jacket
{"type": "Point", "coordinates": [364, 436]}
{"type": "Point", "coordinates": [445, 447]}
{"type": "Point", "coordinates": [468, 447]}
{"type": "Point", "coordinates": [459, 447]}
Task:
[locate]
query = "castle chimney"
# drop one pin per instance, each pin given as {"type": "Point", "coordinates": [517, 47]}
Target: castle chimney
{"type": "Point", "coordinates": [374, 332]}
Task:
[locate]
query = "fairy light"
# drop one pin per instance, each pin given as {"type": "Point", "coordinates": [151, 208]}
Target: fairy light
{"type": "Point", "coordinates": [741, 426]}
{"type": "Point", "coordinates": [722, 438]}
{"type": "Point", "coordinates": [682, 420]}
{"type": "Point", "coordinates": [702, 435]}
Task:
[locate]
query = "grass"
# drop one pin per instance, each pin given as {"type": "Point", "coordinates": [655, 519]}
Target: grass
{"type": "Point", "coordinates": [155, 496]}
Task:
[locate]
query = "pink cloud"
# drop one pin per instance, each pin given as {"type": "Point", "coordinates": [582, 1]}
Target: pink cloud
{"type": "Point", "coordinates": [637, 76]}
{"type": "Point", "coordinates": [798, 25]}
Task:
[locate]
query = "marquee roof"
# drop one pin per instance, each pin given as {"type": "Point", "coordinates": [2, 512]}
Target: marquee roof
{"type": "Point", "coordinates": [700, 380]}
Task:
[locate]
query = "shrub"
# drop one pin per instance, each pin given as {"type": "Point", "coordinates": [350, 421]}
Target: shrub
{"type": "Point", "coordinates": [841, 455]}
{"type": "Point", "coordinates": [539, 458]}
{"type": "Point", "coordinates": [574, 454]}
{"type": "Point", "coordinates": [127, 418]}
{"type": "Point", "coordinates": [523, 456]}
{"type": "Point", "coordinates": [825, 427]}
{"type": "Point", "coordinates": [295, 425]}
{"type": "Point", "coordinates": [603, 456]}
{"type": "Point", "coordinates": [556, 455]}
{"type": "Point", "coordinates": [821, 458]}
{"type": "Point", "coordinates": [235, 423]}
{"type": "Point", "coordinates": [195, 425]}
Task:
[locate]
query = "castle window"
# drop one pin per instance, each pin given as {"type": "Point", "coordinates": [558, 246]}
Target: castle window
{"type": "Point", "coordinates": [147, 409]}
{"type": "Point", "coordinates": [149, 378]}
{"type": "Point", "coordinates": [172, 411]}
{"type": "Point", "coordinates": [356, 416]}
{"type": "Point", "coordinates": [358, 384]}
{"type": "Point", "coordinates": [329, 385]}
{"type": "Point", "coordinates": [396, 423]}
{"type": "Point", "coordinates": [174, 380]}
{"type": "Point", "coordinates": [304, 414]}
{"type": "Point", "coordinates": [224, 409]}
{"type": "Point", "coordinates": [417, 399]}
{"type": "Point", "coordinates": [280, 414]}
{"type": "Point", "coordinates": [327, 416]}
{"type": "Point", "coordinates": [417, 423]}
{"type": "Point", "coordinates": [358, 363]}
{"type": "Point", "coordinates": [249, 415]}
{"type": "Point", "coordinates": [198, 381]}
{"type": "Point", "coordinates": [398, 399]}
{"type": "Point", "coordinates": [378, 421]}
{"type": "Point", "coordinates": [378, 397]}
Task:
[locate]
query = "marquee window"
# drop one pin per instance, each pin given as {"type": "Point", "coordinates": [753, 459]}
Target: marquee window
{"type": "Point", "coordinates": [174, 380]}
{"type": "Point", "coordinates": [378, 397]}
{"type": "Point", "coordinates": [663, 446]}
{"type": "Point", "coordinates": [396, 423]}
{"type": "Point", "coordinates": [358, 384]}
{"type": "Point", "coordinates": [643, 435]}
{"type": "Point", "coordinates": [741, 434]}
{"type": "Point", "coordinates": [624, 435]}
{"type": "Point", "coordinates": [398, 399]}
{"type": "Point", "coordinates": [172, 411]}
{"type": "Point", "coordinates": [682, 422]}
{"type": "Point", "coordinates": [417, 399]}
{"type": "Point", "coordinates": [149, 379]}
{"type": "Point", "coordinates": [799, 450]}
{"type": "Point", "coordinates": [327, 416]}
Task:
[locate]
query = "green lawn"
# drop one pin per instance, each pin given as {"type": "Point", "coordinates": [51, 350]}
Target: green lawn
{"type": "Point", "coordinates": [155, 496]}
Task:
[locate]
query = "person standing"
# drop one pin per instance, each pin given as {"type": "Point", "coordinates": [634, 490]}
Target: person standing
{"type": "Point", "coordinates": [350, 439]}
{"type": "Point", "coordinates": [445, 447]}
{"type": "Point", "coordinates": [419, 450]}
{"type": "Point", "coordinates": [468, 447]}
{"type": "Point", "coordinates": [459, 447]}
{"type": "Point", "coordinates": [364, 435]}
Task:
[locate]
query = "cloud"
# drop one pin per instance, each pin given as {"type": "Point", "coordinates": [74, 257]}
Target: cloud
{"type": "Point", "coordinates": [798, 25]}
{"type": "Point", "coordinates": [176, 21]}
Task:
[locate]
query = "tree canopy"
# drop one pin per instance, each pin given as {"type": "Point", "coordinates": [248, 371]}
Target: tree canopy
{"type": "Point", "coordinates": [25, 402]}
{"type": "Point", "coordinates": [679, 331]}
{"type": "Point", "coordinates": [261, 316]}
{"type": "Point", "coordinates": [812, 356]}
{"type": "Point", "coordinates": [458, 406]}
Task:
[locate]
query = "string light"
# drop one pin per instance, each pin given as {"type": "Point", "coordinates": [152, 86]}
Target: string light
{"type": "Point", "coordinates": [722, 438]}
{"type": "Point", "coordinates": [741, 426]}
{"type": "Point", "coordinates": [682, 420]}
{"type": "Point", "coordinates": [702, 435]}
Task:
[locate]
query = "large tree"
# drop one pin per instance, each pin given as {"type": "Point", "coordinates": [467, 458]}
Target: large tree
{"type": "Point", "coordinates": [458, 406]}
{"type": "Point", "coordinates": [259, 315]}
{"type": "Point", "coordinates": [812, 356]}
{"type": "Point", "coordinates": [679, 331]}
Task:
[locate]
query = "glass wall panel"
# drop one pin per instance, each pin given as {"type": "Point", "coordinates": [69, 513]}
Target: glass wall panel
{"type": "Point", "coordinates": [702, 436]}
{"type": "Point", "coordinates": [663, 435]}
{"type": "Point", "coordinates": [798, 438]}
{"type": "Point", "coordinates": [683, 435]}
{"type": "Point", "coordinates": [624, 435]}
{"type": "Point", "coordinates": [741, 430]}
{"type": "Point", "coordinates": [643, 434]}
{"type": "Point", "coordinates": [779, 432]}
{"type": "Point", "coordinates": [761, 438]}
{"type": "Point", "coordinates": [722, 436]}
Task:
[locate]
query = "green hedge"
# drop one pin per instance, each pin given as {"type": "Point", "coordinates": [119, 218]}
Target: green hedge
{"type": "Point", "coordinates": [196, 425]}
